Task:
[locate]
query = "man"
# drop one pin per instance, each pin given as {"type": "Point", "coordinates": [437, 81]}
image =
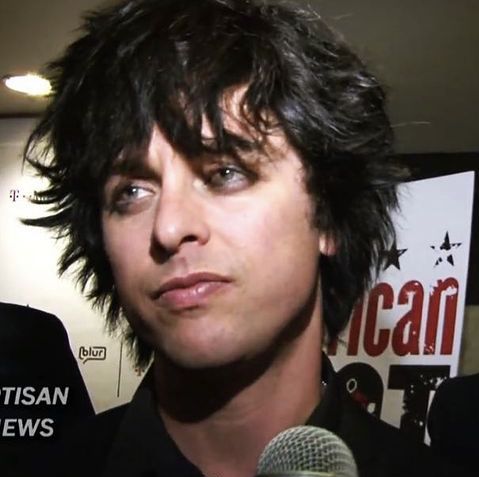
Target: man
{"type": "Point", "coordinates": [219, 170]}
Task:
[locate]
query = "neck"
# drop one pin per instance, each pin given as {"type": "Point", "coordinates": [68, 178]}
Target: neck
{"type": "Point", "coordinates": [221, 419]}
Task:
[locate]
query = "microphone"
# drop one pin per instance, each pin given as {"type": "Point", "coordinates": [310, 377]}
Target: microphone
{"type": "Point", "coordinates": [306, 451]}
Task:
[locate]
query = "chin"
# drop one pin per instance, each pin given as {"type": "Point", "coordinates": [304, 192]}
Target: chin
{"type": "Point", "coordinates": [202, 344]}
{"type": "Point", "coordinates": [199, 351]}
{"type": "Point", "coordinates": [197, 359]}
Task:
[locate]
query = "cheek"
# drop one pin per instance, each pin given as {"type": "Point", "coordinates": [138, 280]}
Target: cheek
{"type": "Point", "coordinates": [275, 240]}
{"type": "Point", "coordinates": [250, 234]}
{"type": "Point", "coordinates": [124, 247]}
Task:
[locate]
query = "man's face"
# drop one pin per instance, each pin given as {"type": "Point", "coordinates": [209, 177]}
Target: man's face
{"type": "Point", "coordinates": [211, 264]}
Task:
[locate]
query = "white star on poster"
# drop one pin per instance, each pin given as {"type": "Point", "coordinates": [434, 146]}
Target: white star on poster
{"type": "Point", "coordinates": [445, 250]}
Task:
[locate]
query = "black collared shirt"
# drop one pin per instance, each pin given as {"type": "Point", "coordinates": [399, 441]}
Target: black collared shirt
{"type": "Point", "coordinates": [131, 441]}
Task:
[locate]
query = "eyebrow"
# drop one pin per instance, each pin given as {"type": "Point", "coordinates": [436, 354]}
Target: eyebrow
{"type": "Point", "coordinates": [129, 163]}
{"type": "Point", "coordinates": [133, 161]}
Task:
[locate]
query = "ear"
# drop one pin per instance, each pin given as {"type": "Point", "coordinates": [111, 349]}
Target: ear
{"type": "Point", "coordinates": [326, 244]}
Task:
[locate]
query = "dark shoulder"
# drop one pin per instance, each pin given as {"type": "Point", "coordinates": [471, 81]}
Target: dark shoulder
{"type": "Point", "coordinates": [454, 405]}
{"type": "Point", "coordinates": [86, 446]}
{"type": "Point", "coordinates": [463, 388]}
{"type": "Point", "coordinates": [453, 419]}
{"type": "Point", "coordinates": [99, 430]}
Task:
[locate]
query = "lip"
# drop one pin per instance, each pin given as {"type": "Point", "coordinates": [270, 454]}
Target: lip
{"type": "Point", "coordinates": [191, 290]}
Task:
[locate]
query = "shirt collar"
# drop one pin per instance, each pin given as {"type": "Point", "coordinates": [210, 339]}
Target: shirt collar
{"type": "Point", "coordinates": [143, 448]}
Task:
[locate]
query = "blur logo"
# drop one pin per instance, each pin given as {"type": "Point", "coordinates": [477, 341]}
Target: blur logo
{"type": "Point", "coordinates": [92, 353]}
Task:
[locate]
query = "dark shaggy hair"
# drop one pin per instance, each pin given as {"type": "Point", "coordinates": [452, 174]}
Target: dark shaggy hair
{"type": "Point", "coordinates": [170, 63]}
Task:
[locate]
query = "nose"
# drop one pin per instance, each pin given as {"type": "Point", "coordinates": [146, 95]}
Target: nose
{"type": "Point", "coordinates": [180, 219]}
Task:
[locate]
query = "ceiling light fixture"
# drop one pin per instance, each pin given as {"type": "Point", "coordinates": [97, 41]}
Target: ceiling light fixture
{"type": "Point", "coordinates": [30, 84]}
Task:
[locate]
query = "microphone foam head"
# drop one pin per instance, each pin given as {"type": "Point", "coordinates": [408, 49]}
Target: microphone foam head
{"type": "Point", "coordinates": [307, 449]}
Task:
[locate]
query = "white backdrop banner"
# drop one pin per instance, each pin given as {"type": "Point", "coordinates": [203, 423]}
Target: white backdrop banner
{"type": "Point", "coordinates": [404, 338]}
